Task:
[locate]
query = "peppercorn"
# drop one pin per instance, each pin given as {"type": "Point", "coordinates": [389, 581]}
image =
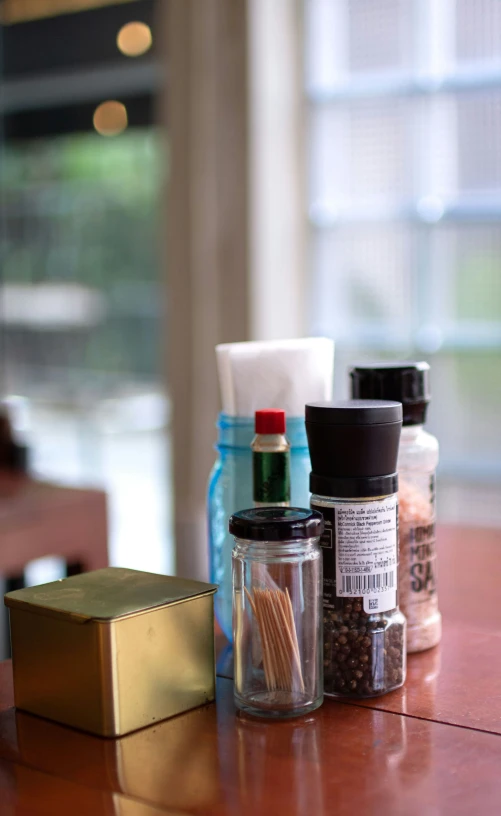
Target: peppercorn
{"type": "Point", "coordinates": [369, 655]}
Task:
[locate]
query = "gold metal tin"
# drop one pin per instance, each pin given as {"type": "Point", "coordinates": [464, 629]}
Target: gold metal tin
{"type": "Point", "coordinates": [114, 650]}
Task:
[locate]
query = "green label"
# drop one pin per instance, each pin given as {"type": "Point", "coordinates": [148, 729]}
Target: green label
{"type": "Point", "coordinates": [271, 477]}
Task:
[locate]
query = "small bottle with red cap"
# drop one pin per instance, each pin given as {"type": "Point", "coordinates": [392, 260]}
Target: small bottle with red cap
{"type": "Point", "coordinates": [271, 459]}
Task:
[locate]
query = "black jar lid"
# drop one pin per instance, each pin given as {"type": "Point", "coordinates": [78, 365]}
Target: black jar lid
{"type": "Point", "coordinates": [354, 412]}
{"type": "Point", "coordinates": [276, 524]}
{"type": "Point", "coordinates": [406, 381]}
{"type": "Point", "coordinates": [353, 447]}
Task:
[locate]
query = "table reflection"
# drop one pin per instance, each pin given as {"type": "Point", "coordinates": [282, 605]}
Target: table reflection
{"type": "Point", "coordinates": [423, 672]}
{"type": "Point", "coordinates": [173, 763]}
{"type": "Point", "coordinates": [294, 746]}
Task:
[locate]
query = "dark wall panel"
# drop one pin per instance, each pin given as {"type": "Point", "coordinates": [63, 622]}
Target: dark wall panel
{"type": "Point", "coordinates": [69, 119]}
{"type": "Point", "coordinates": [70, 41]}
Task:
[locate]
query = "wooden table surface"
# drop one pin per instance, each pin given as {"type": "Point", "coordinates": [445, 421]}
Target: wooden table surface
{"type": "Point", "coordinates": [431, 748]}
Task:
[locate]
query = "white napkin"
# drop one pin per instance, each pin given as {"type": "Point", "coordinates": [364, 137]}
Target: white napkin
{"type": "Point", "coordinates": [275, 374]}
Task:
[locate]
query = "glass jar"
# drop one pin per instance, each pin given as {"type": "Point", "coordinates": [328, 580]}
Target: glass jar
{"type": "Point", "coordinates": [354, 450]}
{"type": "Point", "coordinates": [364, 651]}
{"type": "Point", "coordinates": [230, 488]}
{"type": "Point", "coordinates": [277, 612]}
{"type": "Point", "coordinates": [417, 463]}
{"type": "Point", "coordinates": [408, 382]}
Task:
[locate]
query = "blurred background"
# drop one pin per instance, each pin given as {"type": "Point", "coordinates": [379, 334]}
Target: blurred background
{"type": "Point", "coordinates": [83, 164]}
{"type": "Point", "coordinates": [175, 174]}
{"type": "Point", "coordinates": [404, 204]}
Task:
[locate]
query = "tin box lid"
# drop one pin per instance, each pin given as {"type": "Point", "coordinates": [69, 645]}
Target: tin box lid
{"type": "Point", "coordinates": [106, 594]}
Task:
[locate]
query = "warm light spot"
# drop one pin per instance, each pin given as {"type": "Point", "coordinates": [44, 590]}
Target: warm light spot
{"type": "Point", "coordinates": [110, 118]}
{"type": "Point", "coordinates": [134, 39]}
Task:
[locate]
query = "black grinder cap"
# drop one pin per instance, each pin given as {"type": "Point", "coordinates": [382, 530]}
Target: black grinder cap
{"type": "Point", "coordinates": [405, 381]}
{"type": "Point", "coordinates": [354, 447]}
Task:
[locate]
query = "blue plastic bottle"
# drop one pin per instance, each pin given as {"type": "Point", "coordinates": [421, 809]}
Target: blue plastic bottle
{"type": "Point", "coordinates": [230, 489]}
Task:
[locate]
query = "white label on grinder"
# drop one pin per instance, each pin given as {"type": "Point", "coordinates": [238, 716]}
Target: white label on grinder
{"type": "Point", "coordinates": [366, 553]}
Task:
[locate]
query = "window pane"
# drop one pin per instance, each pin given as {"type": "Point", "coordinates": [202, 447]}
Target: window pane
{"type": "Point", "coordinates": [470, 260]}
{"type": "Point", "coordinates": [479, 140]}
{"type": "Point", "coordinates": [478, 29]}
{"type": "Point", "coordinates": [465, 414]}
{"type": "Point", "coordinates": [378, 34]}
{"type": "Point", "coordinates": [360, 153]}
{"type": "Point", "coordinates": [364, 287]}
{"type": "Point", "coordinates": [378, 149]}
{"type": "Point", "coordinates": [352, 38]}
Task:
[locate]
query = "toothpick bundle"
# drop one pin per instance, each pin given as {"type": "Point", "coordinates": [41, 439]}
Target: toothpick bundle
{"type": "Point", "coordinates": [272, 610]}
